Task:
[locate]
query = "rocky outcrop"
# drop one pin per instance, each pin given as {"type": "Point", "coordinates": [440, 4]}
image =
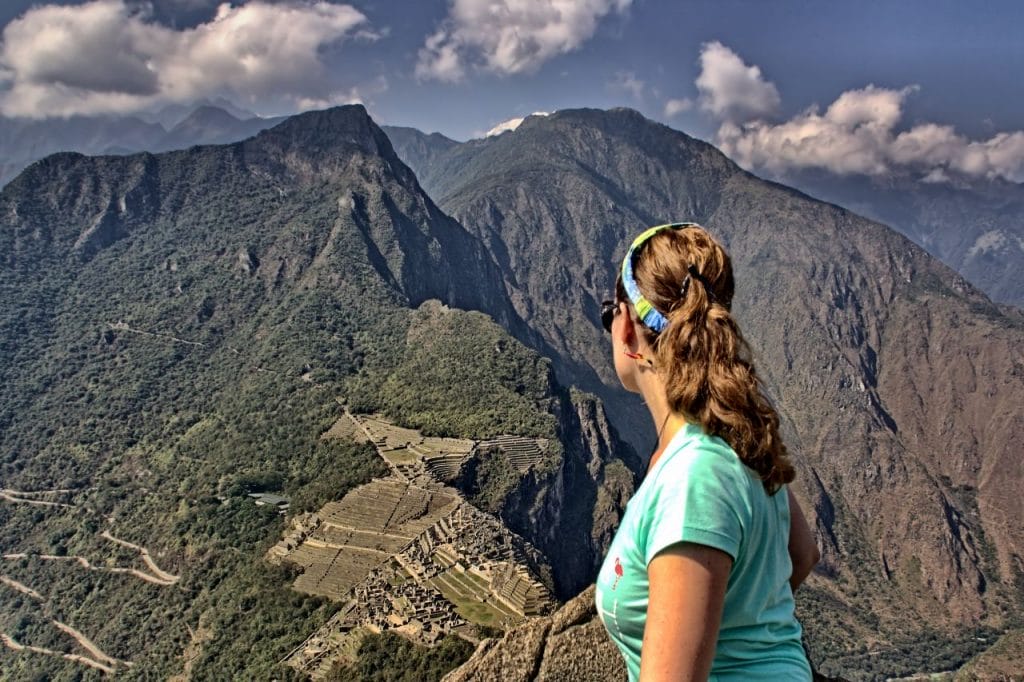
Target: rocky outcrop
{"type": "Point", "coordinates": [570, 644]}
{"type": "Point", "coordinates": [898, 384]}
{"type": "Point", "coordinates": [571, 513]}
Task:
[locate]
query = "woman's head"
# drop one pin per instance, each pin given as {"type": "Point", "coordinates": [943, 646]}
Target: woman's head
{"type": "Point", "coordinates": [677, 282]}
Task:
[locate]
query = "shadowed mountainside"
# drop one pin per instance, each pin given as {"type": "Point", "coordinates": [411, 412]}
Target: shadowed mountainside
{"type": "Point", "coordinates": [899, 384]}
{"type": "Point", "coordinates": [177, 330]}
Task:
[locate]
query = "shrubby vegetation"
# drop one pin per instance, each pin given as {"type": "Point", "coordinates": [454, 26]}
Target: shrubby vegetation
{"type": "Point", "coordinates": [192, 350]}
{"type": "Point", "coordinates": [488, 482]}
{"type": "Point", "coordinates": [389, 657]}
{"type": "Point", "coordinates": [838, 648]}
{"type": "Point", "coordinates": [459, 374]}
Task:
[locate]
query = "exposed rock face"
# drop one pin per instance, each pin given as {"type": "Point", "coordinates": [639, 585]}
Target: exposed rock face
{"type": "Point", "coordinates": [570, 644]}
{"type": "Point", "coordinates": [899, 384]}
{"type": "Point", "coordinates": [572, 514]}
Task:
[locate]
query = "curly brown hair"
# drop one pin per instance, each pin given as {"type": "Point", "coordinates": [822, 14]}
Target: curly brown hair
{"type": "Point", "coordinates": [702, 355]}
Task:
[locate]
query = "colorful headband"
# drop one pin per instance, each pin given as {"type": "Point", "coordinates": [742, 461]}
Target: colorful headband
{"type": "Point", "coordinates": [647, 312]}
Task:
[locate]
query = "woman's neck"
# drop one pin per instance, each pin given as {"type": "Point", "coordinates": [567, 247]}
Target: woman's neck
{"type": "Point", "coordinates": [672, 424]}
{"type": "Point", "coordinates": [666, 421]}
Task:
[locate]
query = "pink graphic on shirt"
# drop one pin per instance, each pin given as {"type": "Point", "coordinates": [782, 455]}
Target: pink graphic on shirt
{"type": "Point", "coordinates": [618, 572]}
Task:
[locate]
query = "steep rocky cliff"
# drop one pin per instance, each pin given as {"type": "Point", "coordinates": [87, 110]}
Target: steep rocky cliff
{"type": "Point", "coordinates": [571, 513]}
{"type": "Point", "coordinates": [899, 384]}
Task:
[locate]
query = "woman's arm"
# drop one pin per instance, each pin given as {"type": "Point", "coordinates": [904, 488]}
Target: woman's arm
{"type": "Point", "coordinates": [803, 551]}
{"type": "Point", "coordinates": [687, 589]}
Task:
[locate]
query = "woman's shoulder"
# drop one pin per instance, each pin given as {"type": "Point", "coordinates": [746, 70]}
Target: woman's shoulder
{"type": "Point", "coordinates": [697, 453]}
{"type": "Point", "coordinates": [696, 493]}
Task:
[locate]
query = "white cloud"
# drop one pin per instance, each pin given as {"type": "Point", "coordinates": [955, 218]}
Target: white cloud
{"type": "Point", "coordinates": [107, 57]}
{"type": "Point", "coordinates": [674, 107]}
{"type": "Point", "coordinates": [627, 81]}
{"type": "Point", "coordinates": [857, 133]}
{"type": "Point", "coordinates": [935, 176]}
{"type": "Point", "coordinates": [854, 135]}
{"type": "Point", "coordinates": [730, 89]}
{"type": "Point", "coordinates": [509, 36]}
{"type": "Point", "coordinates": [358, 94]}
{"type": "Point", "coordinates": [511, 124]}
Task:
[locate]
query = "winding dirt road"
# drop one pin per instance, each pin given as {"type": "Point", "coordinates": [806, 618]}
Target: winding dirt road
{"type": "Point", "coordinates": [86, 564]}
{"type": "Point", "coordinates": [15, 645]}
{"type": "Point", "coordinates": [168, 578]}
{"type": "Point", "coordinates": [87, 644]}
{"type": "Point", "coordinates": [16, 496]}
{"type": "Point", "coordinates": [20, 587]}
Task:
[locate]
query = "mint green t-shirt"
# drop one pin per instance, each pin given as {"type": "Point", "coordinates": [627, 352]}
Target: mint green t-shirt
{"type": "Point", "coordinates": [699, 491]}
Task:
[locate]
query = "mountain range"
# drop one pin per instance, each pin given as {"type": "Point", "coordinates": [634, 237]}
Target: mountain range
{"type": "Point", "coordinates": [971, 224]}
{"type": "Point", "coordinates": [178, 329]}
{"type": "Point", "coordinates": [24, 141]}
{"type": "Point", "coordinates": [898, 382]}
{"type": "Point", "coordinates": [974, 225]}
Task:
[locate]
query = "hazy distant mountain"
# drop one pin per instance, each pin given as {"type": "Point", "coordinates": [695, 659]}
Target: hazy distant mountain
{"type": "Point", "coordinates": [212, 125]}
{"type": "Point", "coordinates": [420, 150]}
{"type": "Point", "coordinates": [23, 141]}
{"type": "Point", "coordinates": [171, 115]}
{"type": "Point", "coordinates": [975, 226]}
{"type": "Point", "coordinates": [179, 329]}
{"type": "Point", "coordinates": [900, 384]}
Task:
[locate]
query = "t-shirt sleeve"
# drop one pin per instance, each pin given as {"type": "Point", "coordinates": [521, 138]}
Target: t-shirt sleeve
{"type": "Point", "coordinates": [695, 498]}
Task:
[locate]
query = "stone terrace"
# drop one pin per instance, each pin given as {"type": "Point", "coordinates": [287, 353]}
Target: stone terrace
{"type": "Point", "coordinates": [339, 545]}
{"type": "Point", "coordinates": [522, 453]}
{"type": "Point", "coordinates": [407, 552]}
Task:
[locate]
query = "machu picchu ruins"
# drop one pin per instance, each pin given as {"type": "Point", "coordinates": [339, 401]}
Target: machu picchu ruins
{"type": "Point", "coordinates": [408, 552]}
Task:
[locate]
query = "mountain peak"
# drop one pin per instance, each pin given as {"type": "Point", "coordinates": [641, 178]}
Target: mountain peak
{"type": "Point", "coordinates": [207, 114]}
{"type": "Point", "coordinates": [326, 132]}
{"type": "Point", "coordinates": [199, 125]}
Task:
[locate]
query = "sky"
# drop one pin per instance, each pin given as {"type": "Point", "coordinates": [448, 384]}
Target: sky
{"type": "Point", "coordinates": [854, 88]}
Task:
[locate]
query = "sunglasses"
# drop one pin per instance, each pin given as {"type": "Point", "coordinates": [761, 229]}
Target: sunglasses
{"type": "Point", "coordinates": [608, 310]}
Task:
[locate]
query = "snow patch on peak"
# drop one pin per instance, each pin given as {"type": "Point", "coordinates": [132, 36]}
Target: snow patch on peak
{"type": "Point", "coordinates": [511, 124]}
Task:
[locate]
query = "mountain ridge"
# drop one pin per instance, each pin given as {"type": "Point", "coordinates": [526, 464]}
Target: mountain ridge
{"type": "Point", "coordinates": [905, 502]}
{"type": "Point", "coordinates": [324, 242]}
{"type": "Point", "coordinates": [972, 225]}
{"type": "Point", "coordinates": [25, 141]}
{"type": "Point", "coordinates": [181, 327]}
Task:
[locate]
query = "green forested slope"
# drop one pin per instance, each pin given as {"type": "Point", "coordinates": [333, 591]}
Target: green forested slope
{"type": "Point", "coordinates": [177, 331]}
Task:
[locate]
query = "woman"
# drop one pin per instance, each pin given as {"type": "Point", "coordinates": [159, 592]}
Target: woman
{"type": "Point", "coordinates": [699, 579]}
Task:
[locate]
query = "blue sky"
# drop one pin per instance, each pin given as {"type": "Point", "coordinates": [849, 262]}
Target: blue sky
{"type": "Point", "coordinates": [742, 74]}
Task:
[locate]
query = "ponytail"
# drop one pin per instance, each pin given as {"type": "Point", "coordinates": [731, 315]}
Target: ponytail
{"type": "Point", "coordinates": [701, 353]}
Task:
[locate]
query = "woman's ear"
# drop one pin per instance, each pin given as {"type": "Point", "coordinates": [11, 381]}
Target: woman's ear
{"type": "Point", "coordinates": [626, 332]}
